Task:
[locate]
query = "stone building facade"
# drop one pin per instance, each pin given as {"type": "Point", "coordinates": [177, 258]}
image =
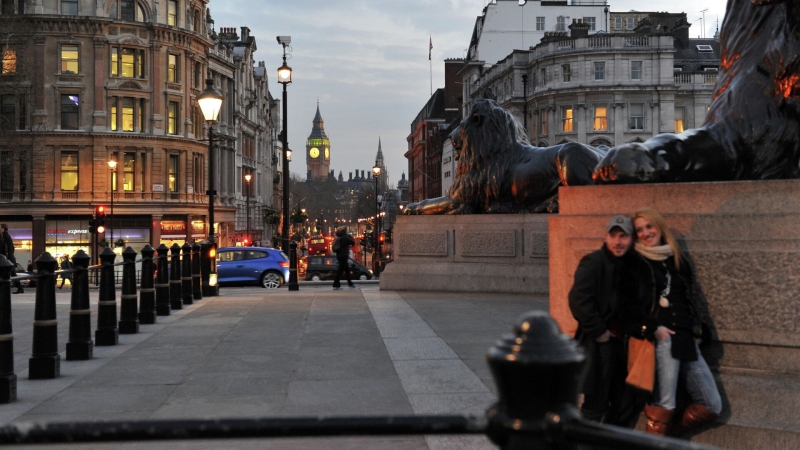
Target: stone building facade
{"type": "Point", "coordinates": [602, 89]}
{"type": "Point", "coordinates": [83, 83]}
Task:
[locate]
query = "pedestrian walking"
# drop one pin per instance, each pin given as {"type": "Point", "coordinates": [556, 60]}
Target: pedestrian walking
{"type": "Point", "coordinates": [595, 304]}
{"type": "Point", "coordinates": [341, 246]}
{"type": "Point", "coordinates": [661, 305]}
{"type": "Point", "coordinates": [66, 264]}
{"type": "Point", "coordinates": [7, 249]}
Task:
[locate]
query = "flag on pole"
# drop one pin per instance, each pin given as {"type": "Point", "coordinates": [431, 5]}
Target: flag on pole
{"type": "Point", "coordinates": [430, 47]}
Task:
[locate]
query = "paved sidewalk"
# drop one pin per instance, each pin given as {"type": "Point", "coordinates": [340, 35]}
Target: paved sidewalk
{"type": "Point", "coordinates": [258, 353]}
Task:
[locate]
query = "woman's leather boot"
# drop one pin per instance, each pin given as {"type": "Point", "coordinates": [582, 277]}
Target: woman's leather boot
{"type": "Point", "coordinates": [693, 417]}
{"type": "Point", "coordinates": [658, 419]}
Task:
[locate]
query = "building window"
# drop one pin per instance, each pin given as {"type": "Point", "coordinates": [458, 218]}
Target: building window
{"type": "Point", "coordinates": [540, 24]}
{"type": "Point", "coordinates": [6, 172]}
{"type": "Point", "coordinates": [631, 23]}
{"type": "Point", "coordinates": [69, 59]}
{"type": "Point", "coordinates": [128, 171]}
{"type": "Point", "coordinates": [198, 72]}
{"type": "Point", "coordinates": [566, 73]}
{"type": "Point", "coordinates": [9, 65]}
{"type": "Point", "coordinates": [129, 10]}
{"type": "Point", "coordinates": [69, 112]}
{"type": "Point", "coordinates": [172, 68]}
{"type": "Point", "coordinates": [127, 114]}
{"type": "Point", "coordinates": [618, 23]}
{"type": "Point", "coordinates": [173, 173]}
{"type": "Point", "coordinates": [142, 126]}
{"type": "Point", "coordinates": [114, 114]}
{"type": "Point", "coordinates": [172, 13]}
{"type": "Point", "coordinates": [637, 116]}
{"type": "Point", "coordinates": [69, 171]}
{"type": "Point", "coordinates": [680, 121]}
{"type": "Point", "coordinates": [566, 119]}
{"type": "Point", "coordinates": [543, 76]}
{"type": "Point", "coordinates": [69, 7]}
{"type": "Point", "coordinates": [172, 114]}
{"type": "Point", "coordinates": [590, 21]}
{"type": "Point", "coordinates": [600, 118]}
{"type": "Point", "coordinates": [8, 112]}
{"type": "Point", "coordinates": [599, 71]}
{"type": "Point", "coordinates": [561, 23]}
{"type": "Point", "coordinates": [127, 62]}
{"type": "Point", "coordinates": [543, 122]}
{"type": "Point", "coordinates": [636, 70]}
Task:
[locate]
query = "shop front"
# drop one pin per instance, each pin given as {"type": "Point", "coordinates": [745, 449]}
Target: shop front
{"type": "Point", "coordinates": [175, 232]}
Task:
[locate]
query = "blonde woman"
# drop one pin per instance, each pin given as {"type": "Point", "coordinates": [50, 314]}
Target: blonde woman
{"type": "Point", "coordinates": [660, 305]}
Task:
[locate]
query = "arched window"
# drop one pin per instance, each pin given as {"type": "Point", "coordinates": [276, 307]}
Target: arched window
{"type": "Point", "coordinates": [601, 141]}
{"type": "Point", "coordinates": [129, 10]}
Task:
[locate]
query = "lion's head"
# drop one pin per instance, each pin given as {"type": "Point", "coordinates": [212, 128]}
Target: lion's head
{"type": "Point", "coordinates": [485, 144]}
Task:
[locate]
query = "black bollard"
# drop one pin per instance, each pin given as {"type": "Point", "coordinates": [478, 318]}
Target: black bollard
{"type": "Point", "coordinates": [107, 332]}
{"type": "Point", "coordinates": [175, 294]}
{"type": "Point", "coordinates": [147, 293]}
{"type": "Point", "coordinates": [537, 370]}
{"type": "Point", "coordinates": [8, 379]}
{"type": "Point", "coordinates": [197, 285]}
{"type": "Point", "coordinates": [129, 309]}
{"type": "Point", "coordinates": [45, 363]}
{"type": "Point", "coordinates": [293, 285]}
{"type": "Point", "coordinates": [80, 346]}
{"type": "Point", "coordinates": [186, 271]}
{"type": "Point", "coordinates": [162, 282]}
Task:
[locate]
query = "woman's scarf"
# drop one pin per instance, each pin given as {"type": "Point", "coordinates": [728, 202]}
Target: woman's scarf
{"type": "Point", "coordinates": [656, 253]}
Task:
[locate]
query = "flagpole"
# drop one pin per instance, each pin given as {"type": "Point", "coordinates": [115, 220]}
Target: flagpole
{"type": "Point", "coordinates": [430, 62]}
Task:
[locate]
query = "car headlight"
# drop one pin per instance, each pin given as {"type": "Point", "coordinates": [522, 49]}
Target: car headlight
{"type": "Point", "coordinates": [370, 271]}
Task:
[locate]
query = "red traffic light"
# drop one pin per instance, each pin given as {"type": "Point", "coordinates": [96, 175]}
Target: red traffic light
{"type": "Point", "coordinates": [101, 209]}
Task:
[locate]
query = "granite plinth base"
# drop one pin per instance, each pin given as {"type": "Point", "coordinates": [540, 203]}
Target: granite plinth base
{"type": "Point", "coordinates": [744, 240]}
{"type": "Point", "coordinates": [469, 253]}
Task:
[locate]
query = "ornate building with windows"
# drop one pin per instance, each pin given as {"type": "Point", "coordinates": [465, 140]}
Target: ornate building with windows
{"type": "Point", "coordinates": [84, 83]}
{"type": "Point", "coordinates": [604, 89]}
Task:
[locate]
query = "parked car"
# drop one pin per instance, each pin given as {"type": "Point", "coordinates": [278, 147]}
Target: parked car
{"type": "Point", "coordinates": [325, 267]}
{"type": "Point", "coordinates": [267, 267]}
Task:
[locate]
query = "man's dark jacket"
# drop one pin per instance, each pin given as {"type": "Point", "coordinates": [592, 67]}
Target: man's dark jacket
{"type": "Point", "coordinates": [593, 299]}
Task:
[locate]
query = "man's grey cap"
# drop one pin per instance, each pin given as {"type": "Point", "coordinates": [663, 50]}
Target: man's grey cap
{"type": "Point", "coordinates": [621, 221]}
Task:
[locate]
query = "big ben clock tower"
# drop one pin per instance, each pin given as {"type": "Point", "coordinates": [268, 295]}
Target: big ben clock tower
{"type": "Point", "coordinates": [318, 150]}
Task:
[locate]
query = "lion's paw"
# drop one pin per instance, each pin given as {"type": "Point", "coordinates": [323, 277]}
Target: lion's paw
{"type": "Point", "coordinates": [629, 163]}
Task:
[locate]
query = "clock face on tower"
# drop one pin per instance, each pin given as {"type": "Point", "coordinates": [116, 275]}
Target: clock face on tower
{"type": "Point", "coordinates": [327, 153]}
{"type": "Point", "coordinates": [314, 152]}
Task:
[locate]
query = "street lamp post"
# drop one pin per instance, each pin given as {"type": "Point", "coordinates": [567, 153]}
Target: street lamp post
{"type": "Point", "coordinates": [210, 101]}
{"type": "Point", "coordinates": [247, 207]}
{"type": "Point", "coordinates": [376, 170]}
{"type": "Point", "coordinates": [525, 100]}
{"type": "Point", "coordinates": [113, 166]}
{"type": "Point", "coordinates": [284, 78]}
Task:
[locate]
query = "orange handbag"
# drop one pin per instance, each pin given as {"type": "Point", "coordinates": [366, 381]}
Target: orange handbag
{"type": "Point", "coordinates": [641, 364]}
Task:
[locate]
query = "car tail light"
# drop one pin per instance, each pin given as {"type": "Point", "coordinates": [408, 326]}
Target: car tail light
{"type": "Point", "coordinates": [284, 263]}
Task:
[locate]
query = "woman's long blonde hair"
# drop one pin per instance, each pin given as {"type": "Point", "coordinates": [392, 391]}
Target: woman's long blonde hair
{"type": "Point", "coordinates": [657, 220]}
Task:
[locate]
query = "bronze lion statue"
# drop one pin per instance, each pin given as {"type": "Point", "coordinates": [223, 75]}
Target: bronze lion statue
{"type": "Point", "coordinates": [499, 171]}
{"type": "Point", "coordinates": [752, 131]}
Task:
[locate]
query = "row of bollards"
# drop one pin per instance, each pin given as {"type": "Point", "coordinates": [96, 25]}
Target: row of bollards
{"type": "Point", "coordinates": [177, 283]}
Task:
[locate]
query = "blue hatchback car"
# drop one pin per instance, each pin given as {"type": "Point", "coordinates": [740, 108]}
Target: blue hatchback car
{"type": "Point", "coordinates": [267, 267]}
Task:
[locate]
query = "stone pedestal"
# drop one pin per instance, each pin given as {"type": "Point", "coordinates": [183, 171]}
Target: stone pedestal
{"type": "Point", "coordinates": [470, 253]}
{"type": "Point", "coordinates": [744, 238]}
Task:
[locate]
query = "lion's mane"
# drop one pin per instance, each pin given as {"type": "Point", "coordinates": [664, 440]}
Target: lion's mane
{"type": "Point", "coordinates": [491, 141]}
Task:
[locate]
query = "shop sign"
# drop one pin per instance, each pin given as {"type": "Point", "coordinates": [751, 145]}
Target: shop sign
{"type": "Point", "coordinates": [173, 228]}
{"type": "Point", "coordinates": [65, 232]}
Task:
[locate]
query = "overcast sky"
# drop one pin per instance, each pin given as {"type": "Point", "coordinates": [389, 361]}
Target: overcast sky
{"type": "Point", "coordinates": [367, 62]}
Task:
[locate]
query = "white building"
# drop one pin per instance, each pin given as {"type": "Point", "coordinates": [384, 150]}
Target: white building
{"type": "Point", "coordinates": [505, 25]}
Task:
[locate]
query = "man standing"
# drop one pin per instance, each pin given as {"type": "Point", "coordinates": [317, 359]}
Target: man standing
{"type": "Point", "coordinates": [341, 246]}
{"type": "Point", "coordinates": [8, 251]}
{"type": "Point", "coordinates": [594, 304]}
